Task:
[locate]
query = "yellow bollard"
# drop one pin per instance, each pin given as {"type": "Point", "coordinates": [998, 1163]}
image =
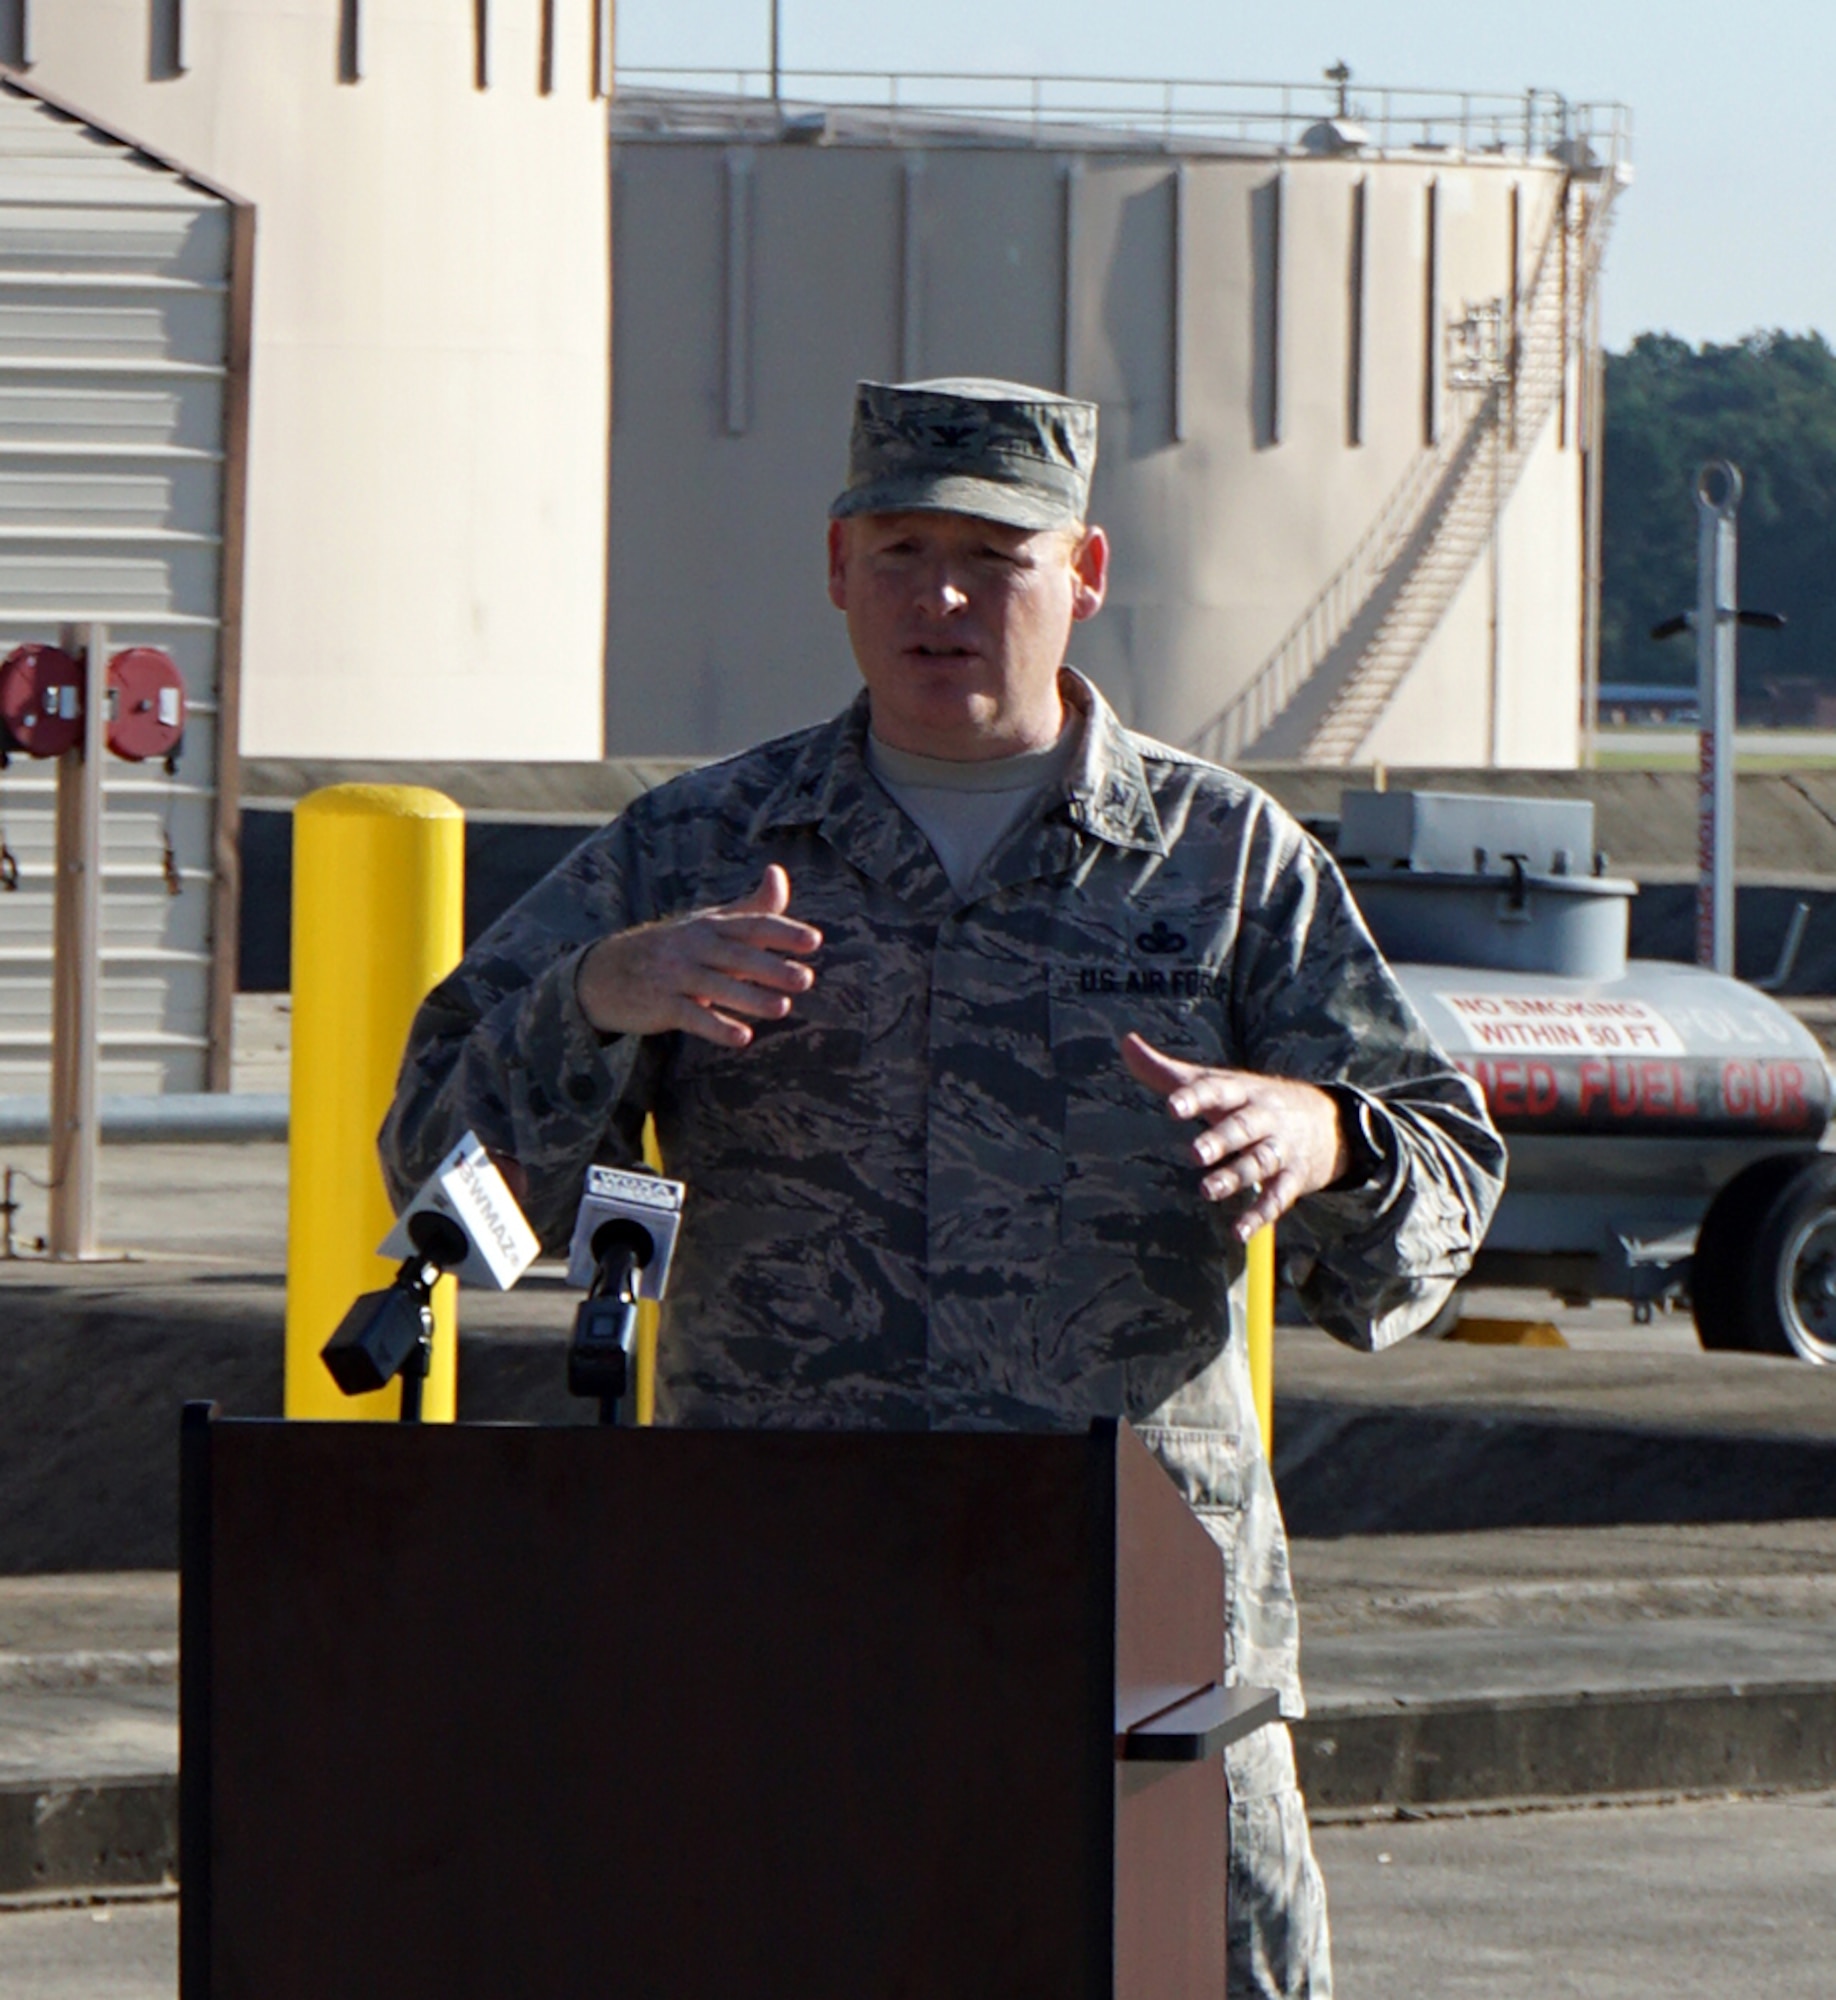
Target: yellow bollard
{"type": "Point", "coordinates": [644, 1368]}
{"type": "Point", "coordinates": [1260, 1259]}
{"type": "Point", "coordinates": [378, 874]}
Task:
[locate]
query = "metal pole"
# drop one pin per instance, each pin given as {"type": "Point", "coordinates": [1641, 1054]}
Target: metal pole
{"type": "Point", "coordinates": [76, 961]}
{"type": "Point", "coordinates": [775, 46]}
{"type": "Point", "coordinates": [1717, 503]}
{"type": "Point", "coordinates": [1494, 748]}
{"type": "Point", "coordinates": [1593, 473]}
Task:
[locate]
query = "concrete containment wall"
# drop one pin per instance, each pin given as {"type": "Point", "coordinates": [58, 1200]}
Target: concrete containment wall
{"type": "Point", "coordinates": [426, 520]}
{"type": "Point", "coordinates": [1270, 335]}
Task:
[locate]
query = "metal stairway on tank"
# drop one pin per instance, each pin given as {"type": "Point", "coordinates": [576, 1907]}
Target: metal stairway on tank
{"type": "Point", "coordinates": [1384, 603]}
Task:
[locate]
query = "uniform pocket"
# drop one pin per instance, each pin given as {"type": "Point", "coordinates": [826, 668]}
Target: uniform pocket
{"type": "Point", "coordinates": [1130, 1182]}
{"type": "Point", "coordinates": [1206, 1465]}
{"type": "Point", "coordinates": [810, 1060]}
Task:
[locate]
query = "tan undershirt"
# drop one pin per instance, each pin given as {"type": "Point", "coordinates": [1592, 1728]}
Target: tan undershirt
{"type": "Point", "coordinates": [965, 809]}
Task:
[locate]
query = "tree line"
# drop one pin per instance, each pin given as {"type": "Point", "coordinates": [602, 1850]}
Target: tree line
{"type": "Point", "coordinates": [1767, 402]}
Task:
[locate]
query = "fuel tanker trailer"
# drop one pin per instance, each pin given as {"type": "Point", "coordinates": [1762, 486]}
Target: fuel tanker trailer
{"type": "Point", "coordinates": [1666, 1125]}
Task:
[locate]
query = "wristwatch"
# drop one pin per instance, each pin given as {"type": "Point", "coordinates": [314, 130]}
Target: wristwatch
{"type": "Point", "coordinates": [1367, 1140]}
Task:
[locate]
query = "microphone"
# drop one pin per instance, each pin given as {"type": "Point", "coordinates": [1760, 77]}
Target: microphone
{"type": "Point", "coordinates": [463, 1220]}
{"type": "Point", "coordinates": [467, 1190]}
{"type": "Point", "coordinates": [624, 1238]}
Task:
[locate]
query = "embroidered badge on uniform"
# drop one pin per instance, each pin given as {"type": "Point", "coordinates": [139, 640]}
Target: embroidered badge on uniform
{"type": "Point", "coordinates": [1161, 940]}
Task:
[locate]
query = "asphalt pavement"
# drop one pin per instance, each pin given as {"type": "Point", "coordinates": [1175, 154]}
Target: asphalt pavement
{"type": "Point", "coordinates": [1694, 1901]}
{"type": "Point", "coordinates": [1687, 1901]}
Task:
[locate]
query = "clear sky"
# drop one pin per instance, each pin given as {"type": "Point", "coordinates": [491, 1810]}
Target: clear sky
{"type": "Point", "coordinates": [1724, 230]}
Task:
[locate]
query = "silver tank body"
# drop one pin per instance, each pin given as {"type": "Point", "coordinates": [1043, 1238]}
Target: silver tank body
{"type": "Point", "coordinates": [1626, 1103]}
{"type": "Point", "coordinates": [1628, 1091]}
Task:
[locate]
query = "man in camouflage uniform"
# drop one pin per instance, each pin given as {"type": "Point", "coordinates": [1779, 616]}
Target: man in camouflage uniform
{"type": "Point", "coordinates": [975, 1138]}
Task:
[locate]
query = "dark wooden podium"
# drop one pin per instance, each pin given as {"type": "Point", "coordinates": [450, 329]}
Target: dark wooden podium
{"type": "Point", "coordinates": [482, 1710]}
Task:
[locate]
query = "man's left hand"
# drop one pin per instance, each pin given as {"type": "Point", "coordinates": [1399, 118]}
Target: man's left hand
{"type": "Point", "coordinates": [1267, 1135]}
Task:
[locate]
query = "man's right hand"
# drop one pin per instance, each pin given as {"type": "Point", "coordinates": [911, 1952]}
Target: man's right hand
{"type": "Point", "coordinates": [700, 973]}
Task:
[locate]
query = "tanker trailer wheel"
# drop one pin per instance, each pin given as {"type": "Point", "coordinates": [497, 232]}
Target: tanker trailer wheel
{"type": "Point", "coordinates": [1764, 1275]}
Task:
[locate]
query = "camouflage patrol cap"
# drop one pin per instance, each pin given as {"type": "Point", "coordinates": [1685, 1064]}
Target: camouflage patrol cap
{"type": "Point", "coordinates": [998, 450]}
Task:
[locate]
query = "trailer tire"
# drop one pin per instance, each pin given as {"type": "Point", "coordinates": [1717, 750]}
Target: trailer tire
{"type": "Point", "coordinates": [1763, 1280]}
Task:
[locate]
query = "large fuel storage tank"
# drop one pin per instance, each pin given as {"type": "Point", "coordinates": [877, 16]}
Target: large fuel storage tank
{"type": "Point", "coordinates": [1665, 1123]}
{"type": "Point", "coordinates": [1346, 374]}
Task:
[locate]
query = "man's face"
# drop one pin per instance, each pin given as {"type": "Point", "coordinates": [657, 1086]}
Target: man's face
{"type": "Point", "coordinates": [960, 626]}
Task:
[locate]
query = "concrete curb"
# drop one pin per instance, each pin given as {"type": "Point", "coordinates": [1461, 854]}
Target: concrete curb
{"type": "Point", "coordinates": [88, 1833]}
{"type": "Point", "coordinates": [1356, 1469]}
{"type": "Point", "coordinates": [1570, 1745]}
{"type": "Point", "coordinates": [87, 1668]}
{"type": "Point", "coordinates": [75, 1836]}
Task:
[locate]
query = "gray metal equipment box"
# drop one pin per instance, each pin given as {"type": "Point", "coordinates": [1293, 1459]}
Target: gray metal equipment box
{"type": "Point", "coordinates": [1456, 833]}
{"type": "Point", "coordinates": [1444, 878]}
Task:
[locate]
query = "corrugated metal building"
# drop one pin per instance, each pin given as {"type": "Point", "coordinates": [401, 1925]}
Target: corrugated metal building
{"type": "Point", "coordinates": [426, 511]}
{"type": "Point", "coordinates": [120, 280]}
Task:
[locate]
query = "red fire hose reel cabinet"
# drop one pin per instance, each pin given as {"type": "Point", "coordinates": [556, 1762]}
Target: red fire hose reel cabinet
{"type": "Point", "coordinates": [41, 702]}
{"type": "Point", "coordinates": [146, 716]}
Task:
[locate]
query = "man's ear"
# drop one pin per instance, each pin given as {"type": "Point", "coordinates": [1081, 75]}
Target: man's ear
{"type": "Point", "coordinates": [1090, 571]}
{"type": "Point", "coordinates": [838, 565]}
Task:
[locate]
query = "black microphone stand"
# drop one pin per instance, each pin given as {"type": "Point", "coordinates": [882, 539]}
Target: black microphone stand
{"type": "Point", "coordinates": [390, 1332]}
{"type": "Point", "coordinates": [417, 1277]}
{"type": "Point", "coordinates": [605, 1324]}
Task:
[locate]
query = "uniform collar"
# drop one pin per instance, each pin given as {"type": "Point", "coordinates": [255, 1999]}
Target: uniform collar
{"type": "Point", "coordinates": [830, 788]}
{"type": "Point", "coordinates": [1105, 796]}
{"type": "Point", "coordinates": [1107, 789]}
